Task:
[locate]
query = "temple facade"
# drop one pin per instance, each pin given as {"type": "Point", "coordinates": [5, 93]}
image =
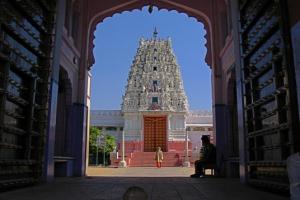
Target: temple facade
{"type": "Point", "coordinates": [198, 123]}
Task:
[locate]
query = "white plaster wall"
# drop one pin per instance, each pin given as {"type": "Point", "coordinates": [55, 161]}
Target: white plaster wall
{"type": "Point", "coordinates": [177, 122]}
{"type": "Point", "coordinates": [177, 128]}
{"type": "Point", "coordinates": [107, 118]}
{"type": "Point", "coordinates": [133, 122]}
{"type": "Point", "coordinates": [132, 126]}
{"type": "Point", "coordinates": [88, 101]}
{"type": "Point", "coordinates": [195, 138]}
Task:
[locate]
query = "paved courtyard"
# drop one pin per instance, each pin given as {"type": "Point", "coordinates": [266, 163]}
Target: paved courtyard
{"type": "Point", "coordinates": [160, 184]}
{"type": "Point", "coordinates": [141, 172]}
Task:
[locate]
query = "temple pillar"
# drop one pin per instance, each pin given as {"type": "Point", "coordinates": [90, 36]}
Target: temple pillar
{"type": "Point", "coordinates": [239, 91]}
{"type": "Point", "coordinates": [186, 160]}
{"type": "Point", "coordinates": [168, 130]}
{"type": "Point", "coordinates": [142, 140]}
{"type": "Point", "coordinates": [219, 111]}
{"type": "Point", "coordinates": [48, 171]}
{"type": "Point", "coordinates": [123, 162]}
{"type": "Point", "coordinates": [79, 139]}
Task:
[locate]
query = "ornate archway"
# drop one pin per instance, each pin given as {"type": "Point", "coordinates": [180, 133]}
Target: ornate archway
{"type": "Point", "coordinates": [250, 46]}
{"type": "Point", "coordinates": [204, 14]}
{"type": "Point", "coordinates": [203, 11]}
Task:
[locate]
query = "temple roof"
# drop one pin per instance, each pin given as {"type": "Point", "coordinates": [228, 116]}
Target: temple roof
{"type": "Point", "coordinates": [154, 80]}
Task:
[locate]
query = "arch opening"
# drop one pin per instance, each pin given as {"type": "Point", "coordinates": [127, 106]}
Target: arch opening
{"type": "Point", "coordinates": [165, 4]}
{"type": "Point", "coordinates": [118, 50]}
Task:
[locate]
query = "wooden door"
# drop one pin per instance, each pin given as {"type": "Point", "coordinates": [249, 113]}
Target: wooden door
{"type": "Point", "coordinates": [155, 129]}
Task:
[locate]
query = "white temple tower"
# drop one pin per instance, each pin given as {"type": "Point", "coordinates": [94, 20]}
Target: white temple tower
{"type": "Point", "coordinates": [154, 105]}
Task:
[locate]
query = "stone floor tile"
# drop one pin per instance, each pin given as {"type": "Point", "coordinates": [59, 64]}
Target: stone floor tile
{"type": "Point", "coordinates": [161, 185]}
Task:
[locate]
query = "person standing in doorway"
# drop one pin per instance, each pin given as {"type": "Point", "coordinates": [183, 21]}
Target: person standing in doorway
{"type": "Point", "coordinates": [159, 156]}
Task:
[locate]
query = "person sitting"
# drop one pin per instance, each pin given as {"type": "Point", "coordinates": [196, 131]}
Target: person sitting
{"type": "Point", "coordinates": [207, 156]}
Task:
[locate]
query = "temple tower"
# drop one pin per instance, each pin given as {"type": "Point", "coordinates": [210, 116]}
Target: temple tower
{"type": "Point", "coordinates": [154, 105]}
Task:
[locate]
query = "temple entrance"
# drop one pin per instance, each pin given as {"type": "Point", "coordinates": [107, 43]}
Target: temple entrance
{"type": "Point", "coordinates": [155, 129]}
{"type": "Point", "coordinates": [251, 37]}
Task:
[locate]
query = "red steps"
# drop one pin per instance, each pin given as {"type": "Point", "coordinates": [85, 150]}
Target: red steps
{"type": "Point", "coordinates": [146, 159]}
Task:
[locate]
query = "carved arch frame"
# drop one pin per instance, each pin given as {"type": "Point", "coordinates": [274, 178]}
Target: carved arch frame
{"type": "Point", "coordinates": [204, 16]}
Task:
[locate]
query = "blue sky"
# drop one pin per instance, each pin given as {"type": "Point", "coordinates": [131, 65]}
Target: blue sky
{"type": "Point", "coordinates": [116, 43]}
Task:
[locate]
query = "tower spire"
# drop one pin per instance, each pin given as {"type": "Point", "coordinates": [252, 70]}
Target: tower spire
{"type": "Point", "coordinates": [155, 33]}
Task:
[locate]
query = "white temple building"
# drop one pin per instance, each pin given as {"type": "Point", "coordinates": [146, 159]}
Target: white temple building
{"type": "Point", "coordinates": [198, 123]}
{"type": "Point", "coordinates": [154, 111]}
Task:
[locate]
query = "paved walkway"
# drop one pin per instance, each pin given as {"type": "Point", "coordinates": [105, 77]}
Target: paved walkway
{"type": "Point", "coordinates": [157, 188]}
{"type": "Point", "coordinates": [141, 172]}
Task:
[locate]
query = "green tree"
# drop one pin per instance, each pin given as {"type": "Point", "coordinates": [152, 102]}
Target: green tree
{"type": "Point", "coordinates": [94, 133]}
{"type": "Point", "coordinates": [107, 144]}
{"type": "Point", "coordinates": [110, 143]}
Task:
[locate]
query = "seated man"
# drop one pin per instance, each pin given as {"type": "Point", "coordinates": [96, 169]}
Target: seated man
{"type": "Point", "coordinates": [207, 156]}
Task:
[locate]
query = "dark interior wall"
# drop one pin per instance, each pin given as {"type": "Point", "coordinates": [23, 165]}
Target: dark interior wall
{"type": "Point", "coordinates": [293, 6]}
{"type": "Point", "coordinates": [60, 128]}
{"type": "Point", "coordinates": [62, 135]}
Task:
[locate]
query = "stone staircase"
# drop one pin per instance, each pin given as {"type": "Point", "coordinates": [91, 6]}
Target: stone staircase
{"type": "Point", "coordinates": [146, 159]}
